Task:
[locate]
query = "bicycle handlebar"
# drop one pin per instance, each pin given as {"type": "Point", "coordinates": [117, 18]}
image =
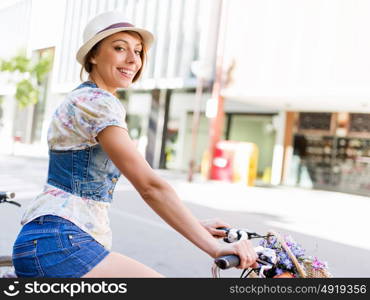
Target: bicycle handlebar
{"type": "Point", "coordinates": [5, 196]}
{"type": "Point", "coordinates": [227, 261]}
{"type": "Point", "coordinates": [230, 261]}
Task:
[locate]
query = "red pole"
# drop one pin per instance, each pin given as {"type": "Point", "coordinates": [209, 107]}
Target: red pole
{"type": "Point", "coordinates": [216, 123]}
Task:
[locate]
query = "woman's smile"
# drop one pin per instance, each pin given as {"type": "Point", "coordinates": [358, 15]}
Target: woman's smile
{"type": "Point", "coordinates": [126, 73]}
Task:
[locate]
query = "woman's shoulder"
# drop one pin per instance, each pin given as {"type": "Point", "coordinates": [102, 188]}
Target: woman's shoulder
{"type": "Point", "coordinates": [90, 93]}
{"type": "Point", "coordinates": [91, 98]}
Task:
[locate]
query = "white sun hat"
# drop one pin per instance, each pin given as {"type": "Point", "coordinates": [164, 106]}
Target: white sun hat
{"type": "Point", "coordinates": [106, 24]}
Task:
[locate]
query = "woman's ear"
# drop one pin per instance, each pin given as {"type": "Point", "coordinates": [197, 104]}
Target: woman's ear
{"type": "Point", "coordinates": [93, 60]}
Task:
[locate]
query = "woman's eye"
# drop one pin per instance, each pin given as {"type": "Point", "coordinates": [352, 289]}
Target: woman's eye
{"type": "Point", "coordinates": [119, 48]}
{"type": "Point", "coordinates": [138, 52]}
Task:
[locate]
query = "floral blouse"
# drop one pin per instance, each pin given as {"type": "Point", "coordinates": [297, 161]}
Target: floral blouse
{"type": "Point", "coordinates": [74, 126]}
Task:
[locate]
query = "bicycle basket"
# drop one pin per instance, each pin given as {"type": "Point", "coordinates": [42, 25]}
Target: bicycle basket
{"type": "Point", "coordinates": [306, 266]}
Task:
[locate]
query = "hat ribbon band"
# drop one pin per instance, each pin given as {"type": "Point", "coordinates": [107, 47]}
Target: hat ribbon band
{"type": "Point", "coordinates": [117, 25]}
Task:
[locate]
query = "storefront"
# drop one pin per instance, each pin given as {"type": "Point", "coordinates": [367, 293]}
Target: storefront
{"type": "Point", "coordinates": [331, 151]}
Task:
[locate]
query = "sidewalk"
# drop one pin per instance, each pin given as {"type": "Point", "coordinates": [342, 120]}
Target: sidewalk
{"type": "Point", "coordinates": [24, 150]}
{"type": "Point", "coordinates": [332, 226]}
{"type": "Point", "coordinates": [333, 216]}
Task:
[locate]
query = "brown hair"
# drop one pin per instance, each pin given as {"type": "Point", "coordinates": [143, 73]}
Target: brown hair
{"type": "Point", "coordinates": [88, 66]}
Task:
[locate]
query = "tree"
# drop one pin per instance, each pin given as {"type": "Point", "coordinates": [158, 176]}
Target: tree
{"type": "Point", "coordinates": [33, 75]}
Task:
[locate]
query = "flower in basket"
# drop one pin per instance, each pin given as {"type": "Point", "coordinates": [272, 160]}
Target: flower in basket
{"type": "Point", "coordinates": [316, 268]}
{"type": "Point", "coordinates": [286, 267]}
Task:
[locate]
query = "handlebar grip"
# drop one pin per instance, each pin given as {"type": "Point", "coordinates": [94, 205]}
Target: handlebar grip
{"type": "Point", "coordinates": [231, 261]}
{"type": "Point", "coordinates": [227, 261]}
{"type": "Point", "coordinates": [7, 195]}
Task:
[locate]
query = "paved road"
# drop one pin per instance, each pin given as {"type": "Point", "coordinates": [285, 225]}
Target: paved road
{"type": "Point", "coordinates": [322, 222]}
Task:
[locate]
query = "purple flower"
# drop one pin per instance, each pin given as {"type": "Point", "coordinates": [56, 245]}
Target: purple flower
{"type": "Point", "coordinates": [263, 243]}
{"type": "Point", "coordinates": [272, 241]}
{"type": "Point", "coordinates": [298, 251]}
{"type": "Point", "coordinates": [289, 240]}
{"type": "Point", "coordinates": [279, 271]}
{"type": "Point", "coordinates": [288, 263]}
{"type": "Point", "coordinates": [317, 264]}
{"type": "Point", "coordinates": [282, 256]}
{"type": "Point", "coordinates": [284, 262]}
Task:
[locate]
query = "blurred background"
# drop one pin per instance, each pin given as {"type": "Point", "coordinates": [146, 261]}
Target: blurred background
{"type": "Point", "coordinates": [291, 77]}
{"type": "Point", "coordinates": [267, 93]}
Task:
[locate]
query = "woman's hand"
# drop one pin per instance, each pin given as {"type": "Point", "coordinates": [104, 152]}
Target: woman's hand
{"type": "Point", "coordinates": [243, 249]}
{"type": "Point", "coordinates": [211, 226]}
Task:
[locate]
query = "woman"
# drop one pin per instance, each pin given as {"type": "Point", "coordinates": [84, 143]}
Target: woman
{"type": "Point", "coordinates": [66, 228]}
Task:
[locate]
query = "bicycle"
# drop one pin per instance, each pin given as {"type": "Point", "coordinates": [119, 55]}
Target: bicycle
{"type": "Point", "coordinates": [6, 263]}
{"type": "Point", "coordinates": [269, 257]}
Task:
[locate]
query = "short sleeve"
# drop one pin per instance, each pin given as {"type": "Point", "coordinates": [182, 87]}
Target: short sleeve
{"type": "Point", "coordinates": [94, 113]}
{"type": "Point", "coordinates": [80, 118]}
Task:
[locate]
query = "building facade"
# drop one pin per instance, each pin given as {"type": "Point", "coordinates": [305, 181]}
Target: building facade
{"type": "Point", "coordinates": [160, 106]}
{"type": "Point", "coordinates": [309, 61]}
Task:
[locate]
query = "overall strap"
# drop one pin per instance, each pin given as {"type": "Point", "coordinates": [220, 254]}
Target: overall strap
{"type": "Point", "coordinates": [86, 84]}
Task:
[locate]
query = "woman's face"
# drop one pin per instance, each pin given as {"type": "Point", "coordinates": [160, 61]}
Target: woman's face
{"type": "Point", "coordinates": [117, 60]}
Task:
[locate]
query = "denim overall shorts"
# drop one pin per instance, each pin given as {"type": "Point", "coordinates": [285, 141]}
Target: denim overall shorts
{"type": "Point", "coordinates": [51, 246]}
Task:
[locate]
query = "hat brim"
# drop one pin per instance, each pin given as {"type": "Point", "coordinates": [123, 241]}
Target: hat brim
{"type": "Point", "coordinates": [147, 37]}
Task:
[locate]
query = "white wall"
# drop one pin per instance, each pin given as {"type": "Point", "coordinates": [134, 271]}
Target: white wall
{"type": "Point", "coordinates": [301, 54]}
{"type": "Point", "coordinates": [46, 23]}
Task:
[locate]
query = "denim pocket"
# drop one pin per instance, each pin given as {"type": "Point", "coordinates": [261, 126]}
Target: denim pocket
{"type": "Point", "coordinates": [92, 186]}
{"type": "Point", "coordinates": [97, 190]}
{"type": "Point", "coordinates": [80, 238]}
{"type": "Point", "coordinates": [24, 258]}
{"type": "Point", "coordinates": [24, 249]}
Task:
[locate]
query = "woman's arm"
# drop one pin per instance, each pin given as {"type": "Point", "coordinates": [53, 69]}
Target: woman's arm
{"type": "Point", "coordinates": [162, 198]}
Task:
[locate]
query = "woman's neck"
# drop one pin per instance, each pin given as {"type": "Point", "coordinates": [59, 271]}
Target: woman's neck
{"type": "Point", "coordinates": [100, 84]}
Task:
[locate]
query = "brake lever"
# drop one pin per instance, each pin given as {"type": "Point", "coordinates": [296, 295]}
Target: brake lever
{"type": "Point", "coordinates": [227, 230]}
{"type": "Point", "coordinates": [260, 270]}
{"type": "Point", "coordinates": [254, 235]}
{"type": "Point", "coordinates": [223, 228]}
{"type": "Point", "coordinates": [236, 234]}
{"type": "Point", "coordinates": [15, 203]}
